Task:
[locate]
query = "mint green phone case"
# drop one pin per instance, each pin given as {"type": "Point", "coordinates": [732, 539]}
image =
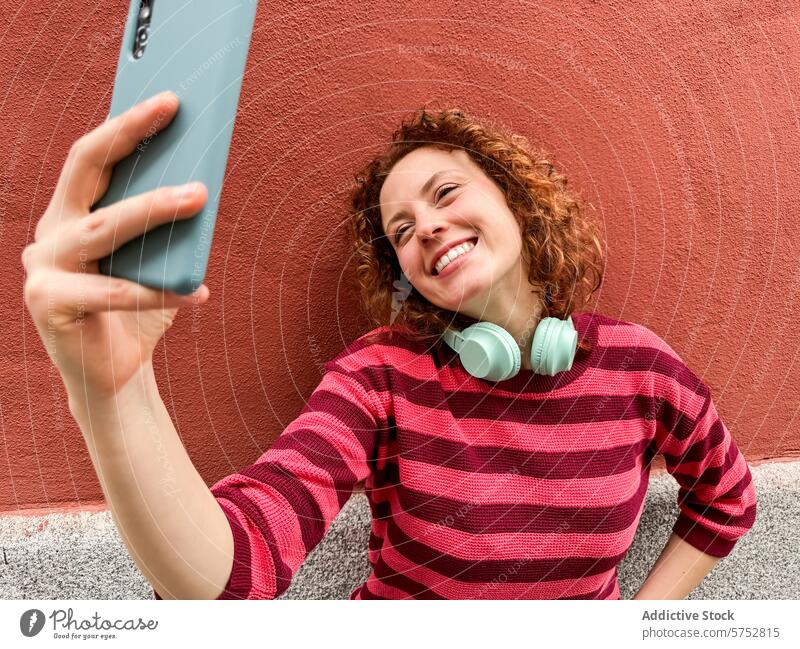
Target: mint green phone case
{"type": "Point", "coordinates": [197, 49]}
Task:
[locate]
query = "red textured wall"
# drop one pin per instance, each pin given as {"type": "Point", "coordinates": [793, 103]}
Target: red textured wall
{"type": "Point", "coordinates": [678, 121]}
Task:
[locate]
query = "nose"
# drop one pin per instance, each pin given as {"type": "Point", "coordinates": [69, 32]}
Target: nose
{"type": "Point", "coordinates": [431, 227]}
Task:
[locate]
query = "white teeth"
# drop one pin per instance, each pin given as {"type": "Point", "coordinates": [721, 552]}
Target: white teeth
{"type": "Point", "coordinates": [452, 254]}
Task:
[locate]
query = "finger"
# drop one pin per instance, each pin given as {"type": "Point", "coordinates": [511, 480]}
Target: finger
{"type": "Point", "coordinates": [41, 257]}
{"type": "Point", "coordinates": [77, 294]}
{"type": "Point", "coordinates": [107, 229]}
{"type": "Point", "coordinates": [87, 170]}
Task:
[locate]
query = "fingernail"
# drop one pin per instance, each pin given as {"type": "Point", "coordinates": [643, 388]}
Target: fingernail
{"type": "Point", "coordinates": [186, 190]}
{"type": "Point", "coordinates": [198, 293]}
{"type": "Point", "coordinates": [157, 99]}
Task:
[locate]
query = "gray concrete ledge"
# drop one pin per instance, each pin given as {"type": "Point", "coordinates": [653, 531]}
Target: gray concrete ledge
{"type": "Point", "coordinates": [81, 555]}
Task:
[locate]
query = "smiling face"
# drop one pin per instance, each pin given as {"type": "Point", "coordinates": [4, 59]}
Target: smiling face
{"type": "Point", "coordinates": [434, 198]}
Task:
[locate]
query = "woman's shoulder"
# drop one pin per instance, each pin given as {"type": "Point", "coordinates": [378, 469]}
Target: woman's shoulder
{"type": "Point", "coordinates": [385, 346]}
{"type": "Point", "coordinates": [640, 347]}
{"type": "Point", "coordinates": [624, 333]}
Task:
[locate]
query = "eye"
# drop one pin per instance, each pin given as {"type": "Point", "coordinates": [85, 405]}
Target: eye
{"type": "Point", "coordinates": [443, 190]}
{"type": "Point", "coordinates": [399, 233]}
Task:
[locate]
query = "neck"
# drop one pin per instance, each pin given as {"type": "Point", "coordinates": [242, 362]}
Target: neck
{"type": "Point", "coordinates": [522, 325]}
{"type": "Point", "coordinates": [519, 312]}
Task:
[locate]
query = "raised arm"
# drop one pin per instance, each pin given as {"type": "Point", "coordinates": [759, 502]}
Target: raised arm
{"type": "Point", "coordinates": [173, 527]}
{"type": "Point", "coordinates": [248, 534]}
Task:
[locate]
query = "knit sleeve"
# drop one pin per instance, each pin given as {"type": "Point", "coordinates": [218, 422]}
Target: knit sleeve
{"type": "Point", "coordinates": [280, 507]}
{"type": "Point", "coordinates": [716, 495]}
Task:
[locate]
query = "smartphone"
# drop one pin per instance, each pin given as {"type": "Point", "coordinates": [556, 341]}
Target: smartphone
{"type": "Point", "coordinates": [197, 49]}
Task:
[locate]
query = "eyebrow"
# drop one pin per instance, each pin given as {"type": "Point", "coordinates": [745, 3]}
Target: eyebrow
{"type": "Point", "coordinates": [424, 190]}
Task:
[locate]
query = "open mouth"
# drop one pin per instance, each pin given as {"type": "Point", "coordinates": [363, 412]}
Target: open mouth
{"type": "Point", "coordinates": [455, 262]}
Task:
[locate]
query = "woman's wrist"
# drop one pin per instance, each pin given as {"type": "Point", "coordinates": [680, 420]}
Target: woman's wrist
{"type": "Point", "coordinates": [89, 407]}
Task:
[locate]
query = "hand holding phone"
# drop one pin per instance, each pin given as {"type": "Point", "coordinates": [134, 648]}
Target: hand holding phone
{"type": "Point", "coordinates": [99, 331]}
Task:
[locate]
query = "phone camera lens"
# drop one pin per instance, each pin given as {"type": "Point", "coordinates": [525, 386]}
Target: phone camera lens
{"type": "Point", "coordinates": [142, 34]}
{"type": "Point", "coordinates": [138, 52]}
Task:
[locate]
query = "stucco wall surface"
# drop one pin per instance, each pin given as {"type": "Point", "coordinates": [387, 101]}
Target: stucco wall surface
{"type": "Point", "coordinates": [678, 122]}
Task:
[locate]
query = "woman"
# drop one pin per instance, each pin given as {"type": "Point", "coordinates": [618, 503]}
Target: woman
{"type": "Point", "coordinates": [526, 486]}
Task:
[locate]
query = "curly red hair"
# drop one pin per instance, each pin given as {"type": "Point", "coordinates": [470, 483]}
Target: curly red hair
{"type": "Point", "coordinates": [562, 244]}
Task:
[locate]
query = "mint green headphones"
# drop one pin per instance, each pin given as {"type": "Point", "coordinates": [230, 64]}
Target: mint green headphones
{"type": "Point", "coordinates": [487, 351]}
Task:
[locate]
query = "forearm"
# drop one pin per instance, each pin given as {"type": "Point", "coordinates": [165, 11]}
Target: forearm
{"type": "Point", "coordinates": [174, 529]}
{"type": "Point", "coordinates": [677, 571]}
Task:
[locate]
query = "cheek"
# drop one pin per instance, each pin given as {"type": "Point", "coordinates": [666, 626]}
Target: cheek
{"type": "Point", "coordinates": [410, 261]}
{"type": "Point", "coordinates": [407, 260]}
{"type": "Point", "coordinates": [511, 234]}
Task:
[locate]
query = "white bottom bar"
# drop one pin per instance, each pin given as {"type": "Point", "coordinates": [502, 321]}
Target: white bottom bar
{"type": "Point", "coordinates": [402, 624]}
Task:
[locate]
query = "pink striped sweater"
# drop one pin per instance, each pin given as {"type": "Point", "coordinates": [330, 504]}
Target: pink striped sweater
{"type": "Point", "coordinates": [527, 488]}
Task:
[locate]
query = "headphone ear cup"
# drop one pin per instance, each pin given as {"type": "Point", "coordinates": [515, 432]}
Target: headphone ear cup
{"type": "Point", "coordinates": [554, 345]}
{"type": "Point", "coordinates": [489, 352]}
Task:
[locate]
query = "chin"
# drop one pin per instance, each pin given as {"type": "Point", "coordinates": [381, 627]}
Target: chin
{"type": "Point", "coordinates": [463, 296]}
